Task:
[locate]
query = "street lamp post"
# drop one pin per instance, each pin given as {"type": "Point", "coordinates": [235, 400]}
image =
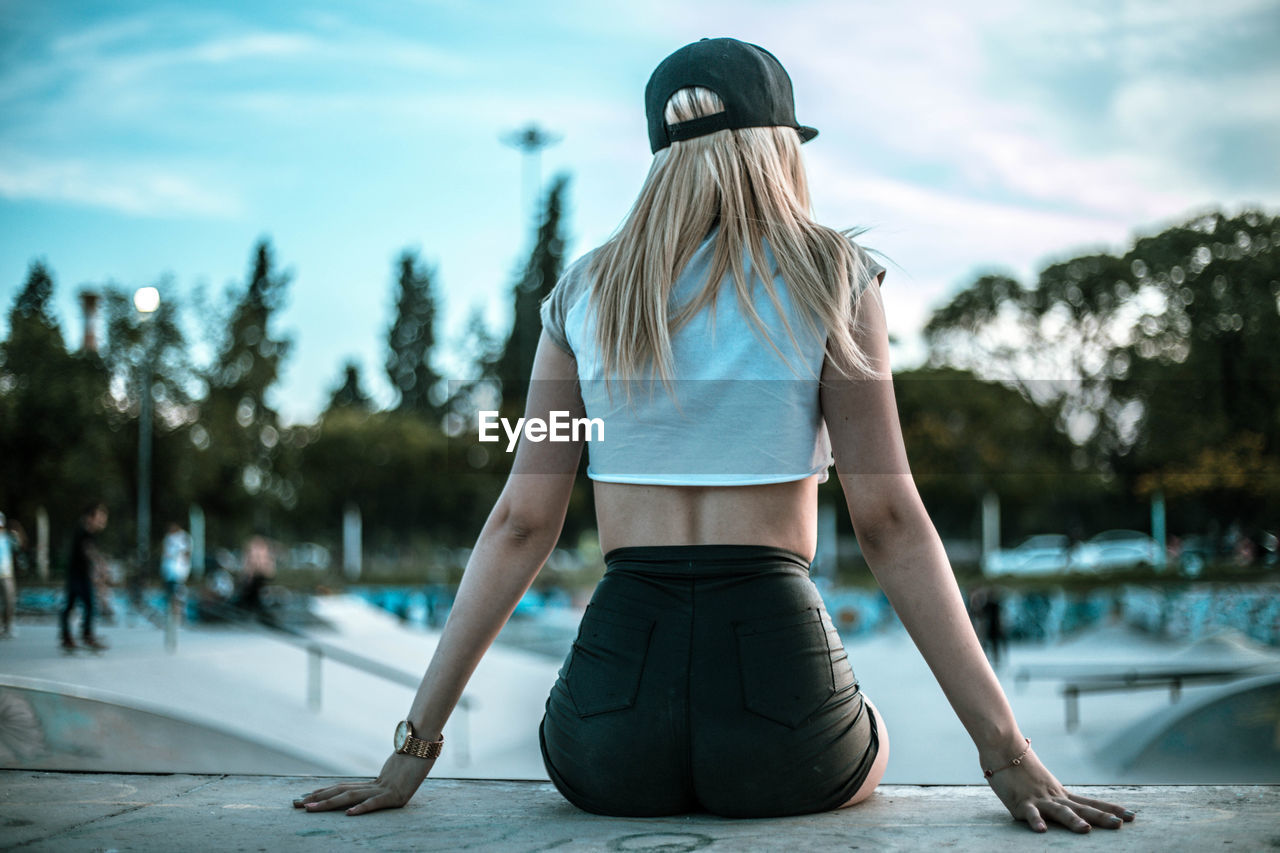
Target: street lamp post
{"type": "Point", "coordinates": [146, 300]}
{"type": "Point", "coordinates": [530, 140]}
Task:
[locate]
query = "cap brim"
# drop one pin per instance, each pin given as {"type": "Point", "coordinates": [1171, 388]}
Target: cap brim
{"type": "Point", "coordinates": [807, 133]}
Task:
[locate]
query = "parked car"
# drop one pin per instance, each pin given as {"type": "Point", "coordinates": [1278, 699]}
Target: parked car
{"type": "Point", "coordinates": [1043, 554]}
{"type": "Point", "coordinates": [309, 555]}
{"type": "Point", "coordinates": [1116, 549]}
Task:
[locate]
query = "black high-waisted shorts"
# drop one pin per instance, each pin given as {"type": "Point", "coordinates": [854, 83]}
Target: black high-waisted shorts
{"type": "Point", "coordinates": [707, 678]}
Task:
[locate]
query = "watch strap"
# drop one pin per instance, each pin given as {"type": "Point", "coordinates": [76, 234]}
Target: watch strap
{"type": "Point", "coordinates": [421, 748]}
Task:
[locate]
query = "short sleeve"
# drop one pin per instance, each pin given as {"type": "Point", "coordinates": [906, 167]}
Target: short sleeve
{"type": "Point", "coordinates": [552, 311]}
{"type": "Point", "coordinates": [871, 271]}
{"type": "Point", "coordinates": [555, 306]}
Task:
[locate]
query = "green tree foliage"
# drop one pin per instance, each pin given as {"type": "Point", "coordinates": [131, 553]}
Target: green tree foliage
{"type": "Point", "coordinates": [34, 301]}
{"type": "Point", "coordinates": [136, 345]}
{"type": "Point", "coordinates": [350, 394]}
{"type": "Point", "coordinates": [966, 435]}
{"type": "Point", "coordinates": [392, 465]}
{"type": "Point", "coordinates": [57, 452]}
{"type": "Point", "coordinates": [411, 339]}
{"type": "Point", "coordinates": [1155, 355]}
{"type": "Point", "coordinates": [239, 482]}
{"type": "Point", "coordinates": [1202, 357]}
{"type": "Point", "coordinates": [481, 349]}
{"type": "Point", "coordinates": [503, 368]}
{"type": "Point", "coordinates": [540, 274]}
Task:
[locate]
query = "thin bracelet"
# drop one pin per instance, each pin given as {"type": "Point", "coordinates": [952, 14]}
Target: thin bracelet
{"type": "Point", "coordinates": [987, 774]}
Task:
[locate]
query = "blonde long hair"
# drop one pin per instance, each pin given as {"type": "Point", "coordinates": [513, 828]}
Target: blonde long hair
{"type": "Point", "coordinates": [751, 181]}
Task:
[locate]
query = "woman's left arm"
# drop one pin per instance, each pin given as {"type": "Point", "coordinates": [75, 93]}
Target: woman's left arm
{"type": "Point", "coordinates": [906, 556]}
{"type": "Point", "coordinates": [516, 540]}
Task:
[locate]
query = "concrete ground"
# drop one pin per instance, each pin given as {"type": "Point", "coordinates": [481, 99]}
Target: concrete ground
{"type": "Point", "coordinates": [67, 812]}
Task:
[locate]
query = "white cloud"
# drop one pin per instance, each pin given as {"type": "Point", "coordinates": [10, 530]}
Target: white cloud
{"type": "Point", "coordinates": [1134, 36]}
{"type": "Point", "coordinates": [943, 113]}
{"type": "Point", "coordinates": [119, 83]}
{"type": "Point", "coordinates": [108, 61]}
{"type": "Point", "coordinates": [99, 35]}
{"type": "Point", "coordinates": [1114, 184]}
{"type": "Point", "coordinates": [1169, 110]}
{"type": "Point", "coordinates": [956, 227]}
{"type": "Point", "coordinates": [363, 51]}
{"type": "Point", "coordinates": [133, 189]}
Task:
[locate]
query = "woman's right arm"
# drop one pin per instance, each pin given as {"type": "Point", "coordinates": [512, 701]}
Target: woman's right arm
{"type": "Point", "coordinates": [516, 540]}
{"type": "Point", "coordinates": [905, 554]}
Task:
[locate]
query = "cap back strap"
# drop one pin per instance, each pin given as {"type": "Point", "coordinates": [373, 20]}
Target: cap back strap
{"type": "Point", "coordinates": [700, 126]}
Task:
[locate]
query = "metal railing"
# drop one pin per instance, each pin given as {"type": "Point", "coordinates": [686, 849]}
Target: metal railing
{"type": "Point", "coordinates": [1083, 679]}
{"type": "Point", "coordinates": [317, 651]}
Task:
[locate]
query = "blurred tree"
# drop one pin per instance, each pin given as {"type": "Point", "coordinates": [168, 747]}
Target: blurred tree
{"type": "Point", "coordinates": [349, 394]}
{"type": "Point", "coordinates": [540, 275]}
{"type": "Point", "coordinates": [133, 340]}
{"type": "Point", "coordinates": [1202, 355]}
{"type": "Point", "coordinates": [238, 481]}
{"type": "Point", "coordinates": [482, 347]}
{"type": "Point", "coordinates": [56, 451]}
{"type": "Point", "coordinates": [33, 302]}
{"type": "Point", "coordinates": [966, 435]}
{"type": "Point", "coordinates": [503, 369]}
{"type": "Point", "coordinates": [1157, 354]}
{"type": "Point", "coordinates": [393, 466]}
{"type": "Point", "coordinates": [411, 340]}
{"type": "Point", "coordinates": [1203, 370]}
{"type": "Point", "coordinates": [154, 347]}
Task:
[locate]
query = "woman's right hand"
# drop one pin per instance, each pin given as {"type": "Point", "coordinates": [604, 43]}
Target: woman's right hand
{"type": "Point", "coordinates": [1032, 794]}
{"type": "Point", "coordinates": [397, 783]}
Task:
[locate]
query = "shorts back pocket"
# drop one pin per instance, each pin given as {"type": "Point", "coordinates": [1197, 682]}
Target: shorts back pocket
{"type": "Point", "coordinates": [785, 664]}
{"type": "Point", "coordinates": [606, 661]}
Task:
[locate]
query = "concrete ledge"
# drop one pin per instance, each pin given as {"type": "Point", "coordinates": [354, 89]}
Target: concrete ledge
{"type": "Point", "coordinates": [80, 811]}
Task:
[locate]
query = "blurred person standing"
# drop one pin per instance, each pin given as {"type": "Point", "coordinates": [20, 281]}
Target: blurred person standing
{"type": "Point", "coordinates": [175, 568]}
{"type": "Point", "coordinates": [996, 639]}
{"type": "Point", "coordinates": [85, 556]}
{"type": "Point", "coordinates": [9, 545]}
{"type": "Point", "coordinates": [984, 613]}
{"type": "Point", "coordinates": [258, 568]}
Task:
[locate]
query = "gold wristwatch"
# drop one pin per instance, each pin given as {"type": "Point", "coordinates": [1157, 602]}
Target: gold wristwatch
{"type": "Point", "coordinates": [408, 744]}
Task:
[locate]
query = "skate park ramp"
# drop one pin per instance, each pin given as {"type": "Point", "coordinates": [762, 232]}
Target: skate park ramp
{"type": "Point", "coordinates": [1229, 736]}
{"type": "Point", "coordinates": [49, 726]}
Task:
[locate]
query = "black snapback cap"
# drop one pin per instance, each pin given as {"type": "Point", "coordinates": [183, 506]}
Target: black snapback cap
{"type": "Point", "coordinates": [750, 80]}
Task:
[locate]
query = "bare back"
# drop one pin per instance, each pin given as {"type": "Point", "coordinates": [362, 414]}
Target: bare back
{"type": "Point", "coordinates": [781, 515]}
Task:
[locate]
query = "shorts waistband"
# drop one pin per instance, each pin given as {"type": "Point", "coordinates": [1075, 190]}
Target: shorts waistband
{"type": "Point", "coordinates": [703, 559]}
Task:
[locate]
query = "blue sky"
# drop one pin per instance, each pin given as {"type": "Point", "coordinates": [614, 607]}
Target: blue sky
{"type": "Point", "coordinates": [146, 142]}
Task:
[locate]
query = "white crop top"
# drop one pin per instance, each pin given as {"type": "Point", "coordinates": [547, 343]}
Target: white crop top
{"type": "Point", "coordinates": [737, 414]}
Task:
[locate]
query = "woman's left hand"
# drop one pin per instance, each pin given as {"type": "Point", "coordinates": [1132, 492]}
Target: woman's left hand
{"type": "Point", "coordinates": [394, 787]}
{"type": "Point", "coordinates": [1032, 794]}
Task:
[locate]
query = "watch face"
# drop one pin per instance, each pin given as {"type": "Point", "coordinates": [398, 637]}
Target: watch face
{"type": "Point", "coordinates": [402, 734]}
